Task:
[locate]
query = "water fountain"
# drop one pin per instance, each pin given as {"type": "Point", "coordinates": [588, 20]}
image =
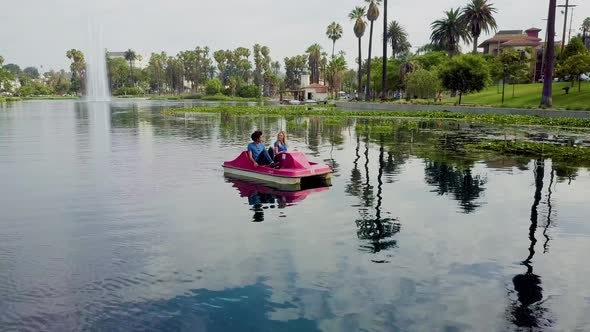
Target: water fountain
{"type": "Point", "coordinates": [97, 87]}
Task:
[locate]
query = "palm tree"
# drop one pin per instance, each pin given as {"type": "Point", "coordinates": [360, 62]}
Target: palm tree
{"type": "Point", "coordinates": [372, 16]}
{"type": "Point", "coordinates": [334, 32]}
{"type": "Point", "coordinates": [398, 38]}
{"type": "Point", "coordinates": [314, 58]}
{"type": "Point", "coordinates": [130, 56]}
{"type": "Point", "coordinates": [449, 31]}
{"type": "Point", "coordinates": [479, 16]}
{"type": "Point", "coordinates": [360, 25]}
{"type": "Point", "coordinates": [547, 99]}
{"type": "Point", "coordinates": [384, 69]}
{"type": "Point", "coordinates": [585, 29]}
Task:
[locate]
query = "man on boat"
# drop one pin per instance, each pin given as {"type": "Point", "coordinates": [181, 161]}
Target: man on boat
{"type": "Point", "coordinates": [257, 151]}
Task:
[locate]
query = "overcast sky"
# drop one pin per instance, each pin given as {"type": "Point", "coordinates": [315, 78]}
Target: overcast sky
{"type": "Point", "coordinates": [38, 32]}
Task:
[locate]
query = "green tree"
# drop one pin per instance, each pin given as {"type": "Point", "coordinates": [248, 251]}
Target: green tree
{"type": "Point", "coordinates": [372, 16]}
{"type": "Point", "coordinates": [5, 77]}
{"type": "Point", "coordinates": [585, 28]}
{"type": "Point", "coordinates": [258, 71]}
{"type": "Point", "coordinates": [448, 32]}
{"type": "Point", "coordinates": [423, 83]}
{"type": "Point", "coordinates": [549, 60]}
{"type": "Point", "coordinates": [157, 71]}
{"type": "Point", "coordinates": [575, 66]}
{"type": "Point", "coordinates": [398, 39]}
{"type": "Point", "coordinates": [478, 16]}
{"type": "Point", "coordinates": [294, 67]}
{"type": "Point", "coordinates": [431, 60]}
{"type": "Point", "coordinates": [58, 81]}
{"type": "Point", "coordinates": [118, 72]}
{"type": "Point", "coordinates": [334, 33]}
{"type": "Point", "coordinates": [335, 73]}
{"type": "Point", "coordinates": [314, 59]}
{"type": "Point", "coordinates": [213, 86]}
{"type": "Point", "coordinates": [131, 56]}
{"type": "Point", "coordinates": [513, 66]}
{"type": "Point", "coordinates": [221, 59]}
{"type": "Point", "coordinates": [32, 72]}
{"type": "Point", "coordinates": [465, 73]}
{"type": "Point", "coordinates": [175, 75]}
{"type": "Point", "coordinates": [574, 47]}
{"type": "Point", "coordinates": [360, 25]}
{"type": "Point", "coordinates": [78, 69]}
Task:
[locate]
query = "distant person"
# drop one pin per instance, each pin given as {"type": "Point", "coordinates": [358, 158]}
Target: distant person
{"type": "Point", "coordinates": [257, 151]}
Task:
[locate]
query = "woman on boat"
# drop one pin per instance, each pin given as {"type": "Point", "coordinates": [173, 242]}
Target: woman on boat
{"type": "Point", "coordinates": [281, 143]}
{"type": "Point", "coordinates": [257, 151]}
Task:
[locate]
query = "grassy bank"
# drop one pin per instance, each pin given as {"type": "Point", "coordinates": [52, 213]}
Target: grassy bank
{"type": "Point", "coordinates": [51, 98]}
{"type": "Point", "coordinates": [206, 98]}
{"type": "Point", "coordinates": [536, 150]}
{"type": "Point", "coordinates": [529, 96]}
{"type": "Point", "coordinates": [495, 119]}
{"type": "Point", "coordinates": [9, 99]}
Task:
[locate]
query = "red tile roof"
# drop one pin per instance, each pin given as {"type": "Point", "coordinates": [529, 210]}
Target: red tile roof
{"type": "Point", "coordinates": [317, 87]}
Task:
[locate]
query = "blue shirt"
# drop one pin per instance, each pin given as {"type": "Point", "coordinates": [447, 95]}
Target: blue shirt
{"type": "Point", "coordinates": [282, 147]}
{"type": "Point", "coordinates": [256, 149]}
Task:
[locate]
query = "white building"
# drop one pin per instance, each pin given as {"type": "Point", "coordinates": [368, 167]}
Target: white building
{"type": "Point", "coordinates": [140, 63]}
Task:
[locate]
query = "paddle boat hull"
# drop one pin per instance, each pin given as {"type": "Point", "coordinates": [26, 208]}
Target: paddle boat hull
{"type": "Point", "coordinates": [294, 170]}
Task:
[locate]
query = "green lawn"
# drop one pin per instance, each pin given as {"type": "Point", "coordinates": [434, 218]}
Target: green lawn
{"type": "Point", "coordinates": [529, 96]}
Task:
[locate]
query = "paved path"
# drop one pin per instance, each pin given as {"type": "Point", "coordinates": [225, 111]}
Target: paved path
{"type": "Point", "coordinates": [362, 106]}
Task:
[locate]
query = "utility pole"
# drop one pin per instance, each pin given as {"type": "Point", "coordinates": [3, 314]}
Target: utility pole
{"type": "Point", "coordinates": [567, 6]}
{"type": "Point", "coordinates": [569, 37]}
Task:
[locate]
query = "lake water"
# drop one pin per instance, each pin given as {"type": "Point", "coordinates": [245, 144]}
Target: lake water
{"type": "Point", "coordinates": [116, 218]}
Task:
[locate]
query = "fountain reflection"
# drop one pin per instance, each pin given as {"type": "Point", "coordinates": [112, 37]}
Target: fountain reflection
{"type": "Point", "coordinates": [261, 197]}
{"type": "Point", "coordinates": [528, 311]}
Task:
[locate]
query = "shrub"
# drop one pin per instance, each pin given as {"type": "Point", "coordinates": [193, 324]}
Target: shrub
{"type": "Point", "coordinates": [128, 91]}
{"type": "Point", "coordinates": [213, 87]}
{"type": "Point", "coordinates": [422, 83]}
{"type": "Point", "coordinates": [249, 91]}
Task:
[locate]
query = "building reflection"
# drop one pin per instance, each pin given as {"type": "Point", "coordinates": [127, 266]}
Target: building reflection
{"type": "Point", "coordinates": [375, 230]}
{"type": "Point", "coordinates": [527, 310]}
{"type": "Point", "coordinates": [261, 197]}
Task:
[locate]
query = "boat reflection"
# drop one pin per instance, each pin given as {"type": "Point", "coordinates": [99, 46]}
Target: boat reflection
{"type": "Point", "coordinates": [262, 197]}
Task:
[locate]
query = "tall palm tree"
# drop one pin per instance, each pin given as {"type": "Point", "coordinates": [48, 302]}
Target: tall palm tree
{"type": "Point", "coordinates": [585, 29]}
{"type": "Point", "coordinates": [547, 97]}
{"type": "Point", "coordinates": [314, 58]}
{"type": "Point", "coordinates": [360, 25]}
{"type": "Point", "coordinates": [384, 69]}
{"type": "Point", "coordinates": [479, 16]}
{"type": "Point", "coordinates": [449, 31]}
{"type": "Point", "coordinates": [372, 16]}
{"type": "Point", "coordinates": [334, 32]}
{"type": "Point", "coordinates": [398, 38]}
{"type": "Point", "coordinates": [130, 56]}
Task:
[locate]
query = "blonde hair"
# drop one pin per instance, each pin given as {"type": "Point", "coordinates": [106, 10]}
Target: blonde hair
{"type": "Point", "coordinates": [284, 137]}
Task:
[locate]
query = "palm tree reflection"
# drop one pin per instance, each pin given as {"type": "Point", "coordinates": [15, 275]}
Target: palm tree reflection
{"type": "Point", "coordinates": [465, 187]}
{"type": "Point", "coordinates": [528, 311]}
{"type": "Point", "coordinates": [377, 231]}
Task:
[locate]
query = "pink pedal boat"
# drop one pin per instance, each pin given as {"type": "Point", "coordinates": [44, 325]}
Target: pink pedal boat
{"type": "Point", "coordinates": [294, 168]}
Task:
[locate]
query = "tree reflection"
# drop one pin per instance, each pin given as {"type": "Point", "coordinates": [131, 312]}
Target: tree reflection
{"type": "Point", "coordinates": [354, 187]}
{"type": "Point", "coordinates": [465, 187]}
{"type": "Point", "coordinates": [377, 231]}
{"type": "Point", "coordinates": [528, 311]}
